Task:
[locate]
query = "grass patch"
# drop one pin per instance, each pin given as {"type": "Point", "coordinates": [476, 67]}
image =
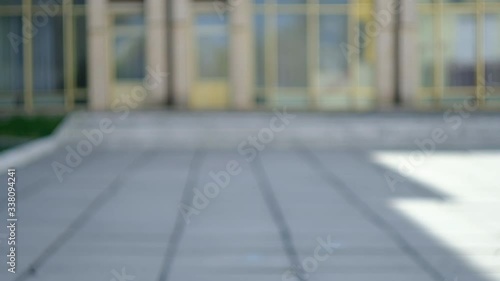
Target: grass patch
{"type": "Point", "coordinates": [16, 130]}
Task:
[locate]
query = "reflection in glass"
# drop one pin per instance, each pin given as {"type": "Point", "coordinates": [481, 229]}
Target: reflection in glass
{"type": "Point", "coordinates": [426, 47]}
{"type": "Point", "coordinates": [366, 54]}
{"type": "Point", "coordinates": [48, 65]}
{"type": "Point", "coordinates": [292, 1]}
{"type": "Point", "coordinates": [259, 30]}
{"type": "Point", "coordinates": [459, 36]}
{"type": "Point", "coordinates": [129, 49]}
{"type": "Point", "coordinates": [11, 61]}
{"type": "Point", "coordinates": [129, 20]}
{"type": "Point", "coordinates": [129, 56]}
{"type": "Point", "coordinates": [292, 51]}
{"type": "Point", "coordinates": [212, 46]}
{"type": "Point", "coordinates": [212, 56]}
{"type": "Point", "coordinates": [492, 49]}
{"type": "Point", "coordinates": [333, 1]}
{"type": "Point", "coordinates": [81, 51]}
{"type": "Point", "coordinates": [332, 61]}
{"type": "Point", "coordinates": [211, 19]}
{"type": "Point", "coordinates": [285, 58]}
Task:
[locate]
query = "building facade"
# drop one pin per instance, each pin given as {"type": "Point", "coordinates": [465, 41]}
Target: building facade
{"type": "Point", "coordinates": [332, 55]}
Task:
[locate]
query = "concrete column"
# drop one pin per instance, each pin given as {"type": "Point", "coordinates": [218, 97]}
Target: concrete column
{"type": "Point", "coordinates": [241, 55]}
{"type": "Point", "coordinates": [98, 55]}
{"type": "Point", "coordinates": [408, 53]}
{"type": "Point", "coordinates": [156, 47]}
{"type": "Point", "coordinates": [386, 13]}
{"type": "Point", "coordinates": [180, 72]}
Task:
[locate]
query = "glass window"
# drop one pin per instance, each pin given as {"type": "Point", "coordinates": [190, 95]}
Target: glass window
{"type": "Point", "coordinates": [260, 46]}
{"type": "Point", "coordinates": [129, 56]}
{"type": "Point", "coordinates": [459, 35]}
{"type": "Point", "coordinates": [129, 20]}
{"type": "Point", "coordinates": [81, 51]}
{"type": "Point", "coordinates": [334, 1]}
{"type": "Point", "coordinates": [212, 58]}
{"type": "Point", "coordinates": [366, 54]}
{"type": "Point", "coordinates": [48, 65]}
{"type": "Point", "coordinates": [333, 63]}
{"type": "Point", "coordinates": [492, 49]}
{"type": "Point", "coordinates": [292, 1]}
{"type": "Point", "coordinates": [426, 46]}
{"type": "Point", "coordinates": [11, 61]}
{"type": "Point", "coordinates": [129, 47]}
{"type": "Point", "coordinates": [292, 51]}
{"type": "Point", "coordinates": [212, 46]}
{"type": "Point", "coordinates": [210, 19]}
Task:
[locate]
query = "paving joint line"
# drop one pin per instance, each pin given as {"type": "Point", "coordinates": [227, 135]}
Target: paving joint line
{"type": "Point", "coordinates": [369, 214]}
{"type": "Point", "coordinates": [83, 217]}
{"type": "Point", "coordinates": [180, 225]}
{"type": "Point", "coordinates": [277, 215]}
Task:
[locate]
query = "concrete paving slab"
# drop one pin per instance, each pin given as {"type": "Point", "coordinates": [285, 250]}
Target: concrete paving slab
{"type": "Point", "coordinates": [295, 212]}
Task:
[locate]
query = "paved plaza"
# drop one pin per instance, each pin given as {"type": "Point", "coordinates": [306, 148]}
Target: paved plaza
{"type": "Point", "coordinates": [188, 198]}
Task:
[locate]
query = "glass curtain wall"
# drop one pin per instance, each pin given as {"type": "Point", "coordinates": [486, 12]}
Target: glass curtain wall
{"type": "Point", "coordinates": [315, 54]}
{"type": "Point", "coordinates": [11, 54]}
{"type": "Point", "coordinates": [459, 47]}
{"type": "Point", "coordinates": [43, 56]}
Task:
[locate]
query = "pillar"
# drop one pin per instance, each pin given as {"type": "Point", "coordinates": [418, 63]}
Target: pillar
{"type": "Point", "coordinates": [97, 54]}
{"type": "Point", "coordinates": [156, 47]}
{"type": "Point", "coordinates": [408, 53]}
{"type": "Point", "coordinates": [386, 13]}
{"type": "Point", "coordinates": [241, 55]}
{"type": "Point", "coordinates": [180, 71]}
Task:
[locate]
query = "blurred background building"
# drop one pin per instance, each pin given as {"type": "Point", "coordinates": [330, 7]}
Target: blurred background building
{"type": "Point", "coordinates": [333, 55]}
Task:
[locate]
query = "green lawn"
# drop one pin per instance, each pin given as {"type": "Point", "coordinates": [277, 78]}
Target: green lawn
{"type": "Point", "coordinates": [16, 130]}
